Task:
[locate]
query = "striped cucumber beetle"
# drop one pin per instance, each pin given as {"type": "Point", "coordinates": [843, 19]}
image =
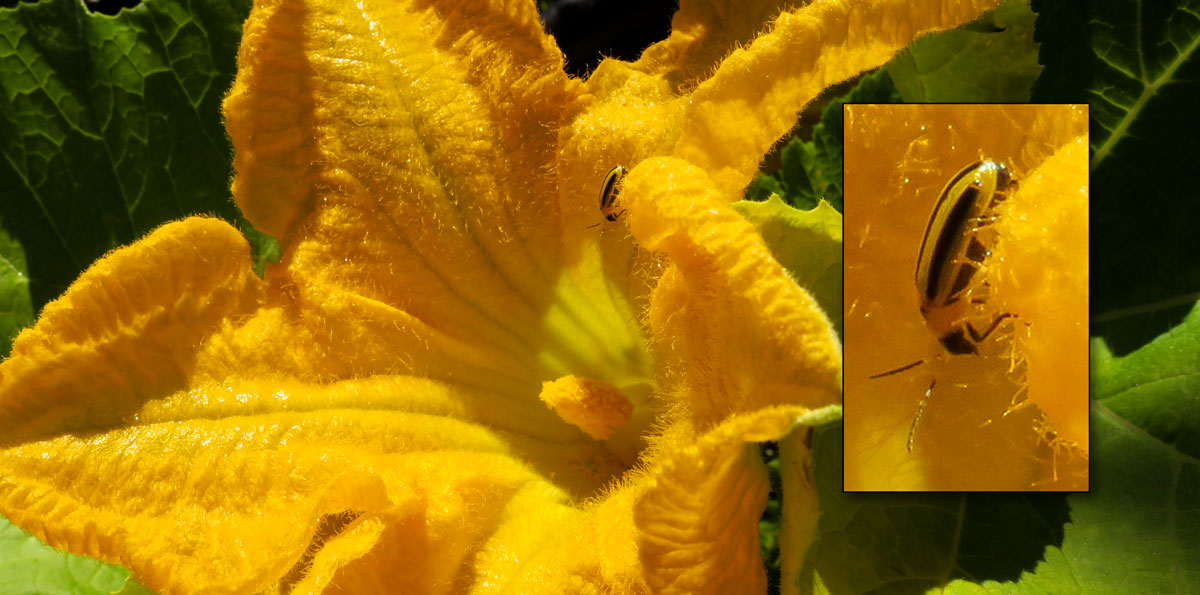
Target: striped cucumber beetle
{"type": "Point", "coordinates": [608, 194]}
{"type": "Point", "coordinates": [953, 252]}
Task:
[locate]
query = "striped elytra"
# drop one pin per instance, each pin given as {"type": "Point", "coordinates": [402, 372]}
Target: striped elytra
{"type": "Point", "coordinates": [953, 252]}
{"type": "Point", "coordinates": [608, 193]}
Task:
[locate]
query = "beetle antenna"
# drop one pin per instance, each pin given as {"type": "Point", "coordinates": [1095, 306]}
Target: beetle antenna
{"type": "Point", "coordinates": [898, 370]}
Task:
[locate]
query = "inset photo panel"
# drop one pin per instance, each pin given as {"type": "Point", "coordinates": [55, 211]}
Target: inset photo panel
{"type": "Point", "coordinates": [966, 297]}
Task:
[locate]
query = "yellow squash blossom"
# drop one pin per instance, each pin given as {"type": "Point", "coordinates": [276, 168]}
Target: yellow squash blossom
{"type": "Point", "coordinates": [455, 380]}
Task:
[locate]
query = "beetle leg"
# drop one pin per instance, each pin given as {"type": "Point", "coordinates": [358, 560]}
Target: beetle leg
{"type": "Point", "coordinates": [912, 430]}
{"type": "Point", "coordinates": [979, 337]}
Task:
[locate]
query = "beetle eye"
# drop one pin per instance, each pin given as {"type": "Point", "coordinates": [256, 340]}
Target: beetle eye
{"type": "Point", "coordinates": [1003, 176]}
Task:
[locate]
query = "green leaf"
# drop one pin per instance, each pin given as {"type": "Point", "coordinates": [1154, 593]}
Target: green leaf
{"type": "Point", "coordinates": [16, 309]}
{"type": "Point", "coordinates": [993, 59]}
{"type": "Point", "coordinates": [762, 187]}
{"type": "Point", "coordinates": [111, 126]}
{"type": "Point", "coordinates": [768, 524]}
{"type": "Point", "coordinates": [263, 247]}
{"type": "Point", "coordinates": [907, 542]}
{"type": "Point", "coordinates": [812, 170]}
{"type": "Point", "coordinates": [29, 567]}
{"type": "Point", "coordinates": [1135, 63]}
{"type": "Point", "coordinates": [1151, 389]}
{"type": "Point", "coordinates": [808, 244]}
{"type": "Point", "coordinates": [1135, 532]}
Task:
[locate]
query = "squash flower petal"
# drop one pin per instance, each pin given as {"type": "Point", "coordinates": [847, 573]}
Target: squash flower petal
{"type": "Point", "coordinates": [461, 376]}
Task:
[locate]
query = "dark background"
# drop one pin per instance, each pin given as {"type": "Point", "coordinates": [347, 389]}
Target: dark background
{"type": "Point", "coordinates": [585, 30]}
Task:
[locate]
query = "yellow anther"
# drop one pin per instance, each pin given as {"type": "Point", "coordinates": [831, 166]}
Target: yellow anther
{"type": "Point", "coordinates": [593, 406]}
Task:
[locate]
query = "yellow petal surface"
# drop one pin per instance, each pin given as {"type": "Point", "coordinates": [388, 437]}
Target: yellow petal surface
{"type": "Point", "coordinates": [116, 332]}
{"type": "Point", "coordinates": [373, 415]}
{"type": "Point", "coordinates": [722, 90]}
{"type": "Point", "coordinates": [743, 333]}
{"type": "Point", "coordinates": [805, 51]}
{"type": "Point", "coordinates": [703, 33]}
{"type": "Point", "coordinates": [383, 174]}
{"type": "Point", "coordinates": [1041, 272]}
